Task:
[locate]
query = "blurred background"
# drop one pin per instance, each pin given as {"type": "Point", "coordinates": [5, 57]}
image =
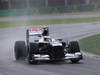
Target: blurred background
{"type": "Point", "coordinates": [31, 7]}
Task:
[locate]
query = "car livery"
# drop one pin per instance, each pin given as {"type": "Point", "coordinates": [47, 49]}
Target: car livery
{"type": "Point", "coordinates": [46, 48]}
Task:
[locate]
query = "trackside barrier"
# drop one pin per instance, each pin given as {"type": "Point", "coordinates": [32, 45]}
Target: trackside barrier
{"type": "Point", "coordinates": [49, 10]}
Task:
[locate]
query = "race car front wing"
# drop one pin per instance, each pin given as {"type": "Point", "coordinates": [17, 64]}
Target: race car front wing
{"type": "Point", "coordinates": [68, 56]}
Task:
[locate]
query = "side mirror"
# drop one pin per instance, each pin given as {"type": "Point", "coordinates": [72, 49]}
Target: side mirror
{"type": "Point", "coordinates": [59, 39]}
{"type": "Point", "coordinates": [36, 40]}
{"type": "Point", "coordinates": [39, 35]}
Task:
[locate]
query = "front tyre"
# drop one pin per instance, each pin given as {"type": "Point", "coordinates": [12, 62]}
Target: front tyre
{"type": "Point", "coordinates": [20, 50]}
{"type": "Point", "coordinates": [75, 61]}
{"type": "Point", "coordinates": [73, 47]}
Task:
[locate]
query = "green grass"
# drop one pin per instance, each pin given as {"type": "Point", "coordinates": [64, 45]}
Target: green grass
{"type": "Point", "coordinates": [64, 21]}
{"type": "Point", "coordinates": [49, 21]}
{"type": "Point", "coordinates": [91, 44]}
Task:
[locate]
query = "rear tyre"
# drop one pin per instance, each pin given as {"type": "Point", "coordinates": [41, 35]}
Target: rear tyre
{"type": "Point", "coordinates": [32, 50]}
{"type": "Point", "coordinates": [20, 50]}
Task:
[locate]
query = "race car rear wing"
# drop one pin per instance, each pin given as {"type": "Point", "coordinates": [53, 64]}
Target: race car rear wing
{"type": "Point", "coordinates": [36, 31]}
{"type": "Point", "coordinates": [33, 32]}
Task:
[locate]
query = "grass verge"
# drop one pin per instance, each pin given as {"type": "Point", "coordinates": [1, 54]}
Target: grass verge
{"type": "Point", "coordinates": [49, 21]}
{"type": "Point", "coordinates": [91, 44]}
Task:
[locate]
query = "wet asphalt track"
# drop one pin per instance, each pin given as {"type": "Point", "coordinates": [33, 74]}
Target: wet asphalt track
{"type": "Point", "coordinates": [8, 65]}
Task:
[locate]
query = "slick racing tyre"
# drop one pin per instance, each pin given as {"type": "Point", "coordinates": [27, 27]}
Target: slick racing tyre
{"type": "Point", "coordinates": [20, 50]}
{"type": "Point", "coordinates": [31, 52]}
{"type": "Point", "coordinates": [75, 60]}
{"type": "Point", "coordinates": [73, 47]}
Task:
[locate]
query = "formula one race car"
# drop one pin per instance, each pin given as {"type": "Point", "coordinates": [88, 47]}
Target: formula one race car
{"type": "Point", "coordinates": [40, 46]}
